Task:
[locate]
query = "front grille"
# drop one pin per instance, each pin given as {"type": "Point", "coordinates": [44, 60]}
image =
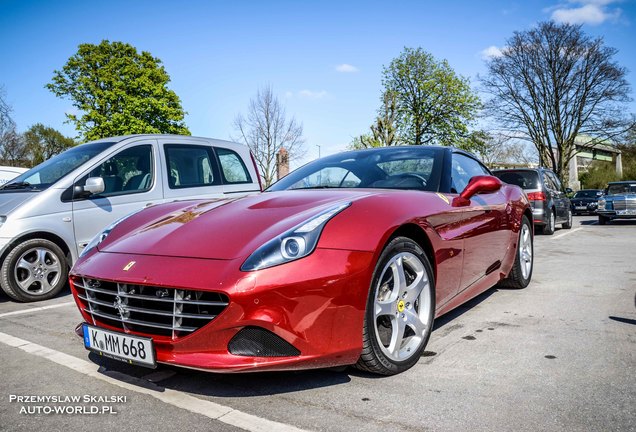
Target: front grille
{"type": "Point", "coordinates": [628, 204]}
{"type": "Point", "coordinates": [148, 309]}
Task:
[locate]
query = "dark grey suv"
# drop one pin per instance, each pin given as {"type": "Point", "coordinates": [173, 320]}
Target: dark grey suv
{"type": "Point", "coordinates": [550, 204]}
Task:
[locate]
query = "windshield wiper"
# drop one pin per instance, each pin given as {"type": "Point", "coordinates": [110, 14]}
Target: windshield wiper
{"type": "Point", "coordinates": [18, 185]}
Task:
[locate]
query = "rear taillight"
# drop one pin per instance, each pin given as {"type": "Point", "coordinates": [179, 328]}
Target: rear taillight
{"type": "Point", "coordinates": [260, 184]}
{"type": "Point", "coordinates": [536, 196]}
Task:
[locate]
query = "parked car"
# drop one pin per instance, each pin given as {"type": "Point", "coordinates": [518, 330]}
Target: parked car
{"type": "Point", "coordinates": [586, 201]}
{"type": "Point", "coordinates": [619, 202]}
{"type": "Point", "coordinates": [9, 173]}
{"type": "Point", "coordinates": [548, 198]}
{"type": "Point", "coordinates": [346, 260]}
{"type": "Point", "coordinates": [50, 213]}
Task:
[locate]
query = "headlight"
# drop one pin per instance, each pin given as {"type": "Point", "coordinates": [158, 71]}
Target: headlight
{"type": "Point", "coordinates": [601, 204]}
{"type": "Point", "coordinates": [294, 244]}
{"type": "Point", "coordinates": [104, 233]}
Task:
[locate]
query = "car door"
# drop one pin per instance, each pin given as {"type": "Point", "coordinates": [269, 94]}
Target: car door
{"type": "Point", "coordinates": [483, 225]}
{"type": "Point", "coordinates": [130, 183]}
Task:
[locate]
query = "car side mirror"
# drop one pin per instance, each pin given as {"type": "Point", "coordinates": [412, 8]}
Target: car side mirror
{"type": "Point", "coordinates": [94, 185]}
{"type": "Point", "coordinates": [476, 185]}
{"type": "Point", "coordinates": [568, 191]}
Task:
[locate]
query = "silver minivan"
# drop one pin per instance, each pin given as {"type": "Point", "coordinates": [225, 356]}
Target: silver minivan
{"type": "Point", "coordinates": [50, 213]}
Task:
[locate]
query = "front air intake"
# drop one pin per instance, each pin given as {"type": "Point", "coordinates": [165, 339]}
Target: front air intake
{"type": "Point", "coordinates": [258, 342]}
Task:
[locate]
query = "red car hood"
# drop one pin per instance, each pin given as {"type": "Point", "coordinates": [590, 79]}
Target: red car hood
{"type": "Point", "coordinates": [219, 229]}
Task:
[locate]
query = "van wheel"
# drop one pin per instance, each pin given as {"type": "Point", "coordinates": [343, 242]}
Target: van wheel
{"type": "Point", "coordinates": [548, 229]}
{"type": "Point", "coordinates": [34, 270]}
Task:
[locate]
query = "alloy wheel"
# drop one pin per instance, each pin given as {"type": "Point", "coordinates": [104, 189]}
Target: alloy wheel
{"type": "Point", "coordinates": [401, 306]}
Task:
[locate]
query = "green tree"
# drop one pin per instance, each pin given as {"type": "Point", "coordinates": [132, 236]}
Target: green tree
{"type": "Point", "coordinates": [553, 83]}
{"type": "Point", "coordinates": [44, 142]}
{"type": "Point", "coordinates": [384, 131]}
{"type": "Point", "coordinates": [119, 91]}
{"type": "Point", "coordinates": [434, 105]}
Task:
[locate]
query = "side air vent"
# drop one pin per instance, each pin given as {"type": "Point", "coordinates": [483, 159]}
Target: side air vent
{"type": "Point", "coordinates": [258, 342]}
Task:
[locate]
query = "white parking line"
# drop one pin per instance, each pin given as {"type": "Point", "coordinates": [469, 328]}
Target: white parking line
{"type": "Point", "coordinates": [36, 309]}
{"type": "Point", "coordinates": [566, 233]}
{"type": "Point", "coordinates": [178, 399]}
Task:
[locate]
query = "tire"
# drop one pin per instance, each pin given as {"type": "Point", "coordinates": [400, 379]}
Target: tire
{"type": "Point", "coordinates": [34, 270]}
{"type": "Point", "coordinates": [603, 220]}
{"type": "Point", "coordinates": [568, 224]}
{"type": "Point", "coordinates": [548, 229]}
{"type": "Point", "coordinates": [521, 272]}
{"type": "Point", "coordinates": [399, 317]}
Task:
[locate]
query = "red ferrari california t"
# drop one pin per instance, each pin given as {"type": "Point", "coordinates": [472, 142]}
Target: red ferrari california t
{"type": "Point", "coordinates": [346, 261]}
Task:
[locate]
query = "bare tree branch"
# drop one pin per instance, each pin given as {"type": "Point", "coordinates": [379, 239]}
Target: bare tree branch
{"type": "Point", "coordinates": [265, 129]}
{"type": "Point", "coordinates": [554, 83]}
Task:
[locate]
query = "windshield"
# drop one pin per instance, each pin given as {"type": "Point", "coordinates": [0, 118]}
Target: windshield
{"type": "Point", "coordinates": [588, 194]}
{"type": "Point", "coordinates": [49, 172]}
{"type": "Point", "coordinates": [385, 168]}
{"type": "Point", "coordinates": [523, 179]}
{"type": "Point", "coordinates": [621, 188]}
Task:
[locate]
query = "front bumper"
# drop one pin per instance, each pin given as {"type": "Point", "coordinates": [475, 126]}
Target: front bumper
{"type": "Point", "coordinates": [617, 214]}
{"type": "Point", "coordinates": [316, 304]}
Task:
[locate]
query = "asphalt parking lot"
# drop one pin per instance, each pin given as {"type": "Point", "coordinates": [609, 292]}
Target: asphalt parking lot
{"type": "Point", "coordinates": [558, 355]}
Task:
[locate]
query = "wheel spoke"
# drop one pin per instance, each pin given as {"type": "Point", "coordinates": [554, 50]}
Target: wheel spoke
{"type": "Point", "coordinates": [54, 267]}
{"type": "Point", "coordinates": [398, 325]}
{"type": "Point", "coordinates": [24, 264]}
{"type": "Point", "coordinates": [384, 308]}
{"type": "Point", "coordinates": [46, 286]}
{"type": "Point", "coordinates": [399, 278]}
{"type": "Point", "coordinates": [41, 256]}
{"type": "Point", "coordinates": [413, 320]}
{"type": "Point", "coordinates": [414, 290]}
{"type": "Point", "coordinates": [26, 283]}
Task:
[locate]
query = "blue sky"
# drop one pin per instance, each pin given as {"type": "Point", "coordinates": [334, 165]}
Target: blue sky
{"type": "Point", "coordinates": [323, 59]}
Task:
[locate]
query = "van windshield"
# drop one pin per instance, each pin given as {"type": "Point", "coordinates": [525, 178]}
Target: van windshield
{"type": "Point", "coordinates": [50, 171]}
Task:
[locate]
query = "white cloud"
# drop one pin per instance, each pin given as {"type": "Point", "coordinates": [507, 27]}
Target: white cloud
{"type": "Point", "coordinates": [346, 68]}
{"type": "Point", "coordinates": [309, 94]}
{"type": "Point", "coordinates": [491, 52]}
{"type": "Point", "coordinates": [593, 12]}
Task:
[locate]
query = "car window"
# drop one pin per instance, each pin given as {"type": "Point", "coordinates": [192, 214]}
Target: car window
{"type": "Point", "coordinates": [129, 171]}
{"type": "Point", "coordinates": [52, 170]}
{"type": "Point", "coordinates": [556, 184]}
{"type": "Point", "coordinates": [232, 167]}
{"type": "Point", "coordinates": [523, 179]}
{"type": "Point", "coordinates": [621, 188]}
{"type": "Point", "coordinates": [328, 177]}
{"type": "Point", "coordinates": [386, 168]}
{"type": "Point", "coordinates": [587, 194]}
{"type": "Point", "coordinates": [463, 169]}
{"type": "Point", "coordinates": [549, 183]}
{"type": "Point", "coordinates": [190, 166]}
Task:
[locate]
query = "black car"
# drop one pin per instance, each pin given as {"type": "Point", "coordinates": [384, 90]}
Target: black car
{"type": "Point", "coordinates": [550, 204]}
{"type": "Point", "coordinates": [586, 201]}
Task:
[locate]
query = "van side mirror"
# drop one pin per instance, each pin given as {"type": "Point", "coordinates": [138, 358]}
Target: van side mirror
{"type": "Point", "coordinates": [477, 184]}
{"type": "Point", "coordinates": [94, 185]}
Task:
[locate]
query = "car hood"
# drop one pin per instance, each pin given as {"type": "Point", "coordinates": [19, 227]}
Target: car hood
{"type": "Point", "coordinates": [9, 201]}
{"type": "Point", "coordinates": [220, 229]}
